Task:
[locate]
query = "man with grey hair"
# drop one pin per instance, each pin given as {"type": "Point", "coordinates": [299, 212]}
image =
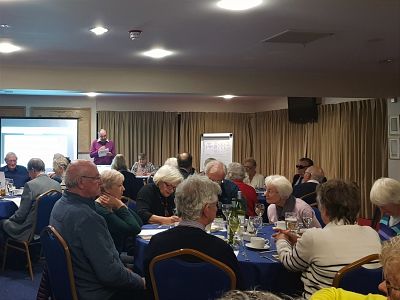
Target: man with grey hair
{"type": "Point", "coordinates": [216, 171]}
{"type": "Point", "coordinates": [19, 225]}
{"type": "Point", "coordinates": [13, 171]}
{"type": "Point", "coordinates": [196, 200]}
{"type": "Point", "coordinates": [99, 272]}
{"type": "Point", "coordinates": [312, 177]}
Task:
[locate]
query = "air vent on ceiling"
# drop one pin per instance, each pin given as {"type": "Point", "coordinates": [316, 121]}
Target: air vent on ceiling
{"type": "Point", "coordinates": [296, 37]}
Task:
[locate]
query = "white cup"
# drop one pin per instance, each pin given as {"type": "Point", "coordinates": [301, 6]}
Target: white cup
{"type": "Point", "coordinates": [258, 242]}
{"type": "Point", "coordinates": [280, 225]}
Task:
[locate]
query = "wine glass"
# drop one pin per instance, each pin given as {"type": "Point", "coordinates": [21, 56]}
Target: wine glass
{"type": "Point", "coordinates": [255, 222]}
{"type": "Point", "coordinates": [259, 209]}
{"type": "Point", "coordinates": [307, 217]}
{"type": "Point", "coordinates": [226, 210]}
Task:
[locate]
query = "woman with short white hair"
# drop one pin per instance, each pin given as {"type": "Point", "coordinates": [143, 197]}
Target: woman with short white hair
{"type": "Point", "coordinates": [155, 201]}
{"type": "Point", "coordinates": [385, 193]}
{"type": "Point", "coordinates": [279, 196]}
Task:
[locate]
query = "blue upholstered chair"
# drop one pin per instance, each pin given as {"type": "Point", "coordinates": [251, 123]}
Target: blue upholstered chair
{"type": "Point", "coordinates": [356, 278]}
{"type": "Point", "coordinates": [318, 216]}
{"type": "Point", "coordinates": [189, 274]}
{"type": "Point", "coordinates": [44, 204]}
{"type": "Point", "coordinates": [59, 265]}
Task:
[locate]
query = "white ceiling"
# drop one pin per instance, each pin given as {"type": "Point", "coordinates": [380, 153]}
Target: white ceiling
{"type": "Point", "coordinates": [55, 33]}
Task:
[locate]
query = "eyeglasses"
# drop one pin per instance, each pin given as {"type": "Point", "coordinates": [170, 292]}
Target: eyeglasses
{"type": "Point", "coordinates": [170, 186]}
{"type": "Point", "coordinates": [97, 178]}
{"type": "Point", "coordinates": [301, 167]}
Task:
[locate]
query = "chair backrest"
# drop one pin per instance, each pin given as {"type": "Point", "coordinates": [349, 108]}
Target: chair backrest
{"type": "Point", "coordinates": [189, 274]}
{"type": "Point", "coordinates": [356, 278]}
{"type": "Point", "coordinates": [318, 216]}
{"type": "Point", "coordinates": [59, 264]}
{"type": "Point", "coordinates": [44, 205]}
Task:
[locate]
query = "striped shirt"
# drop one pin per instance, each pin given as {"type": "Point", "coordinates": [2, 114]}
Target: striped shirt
{"type": "Point", "coordinates": [386, 232]}
{"type": "Point", "coordinates": [321, 252]}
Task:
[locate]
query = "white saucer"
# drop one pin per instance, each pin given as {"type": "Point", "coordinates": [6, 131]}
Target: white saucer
{"type": "Point", "coordinates": [249, 245]}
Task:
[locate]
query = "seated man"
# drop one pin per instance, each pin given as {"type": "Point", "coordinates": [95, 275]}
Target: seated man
{"type": "Point", "coordinates": [19, 225]}
{"type": "Point", "coordinates": [252, 177]}
{"type": "Point", "coordinates": [13, 171]}
{"type": "Point", "coordinates": [185, 164]}
{"type": "Point", "coordinates": [99, 272]}
{"type": "Point", "coordinates": [143, 167]}
{"type": "Point", "coordinates": [313, 176]}
{"type": "Point", "coordinates": [216, 171]}
{"type": "Point", "coordinates": [196, 200]}
{"type": "Point", "coordinates": [301, 167]}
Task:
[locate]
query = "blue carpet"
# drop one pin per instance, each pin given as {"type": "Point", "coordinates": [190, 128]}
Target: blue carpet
{"type": "Point", "coordinates": [17, 284]}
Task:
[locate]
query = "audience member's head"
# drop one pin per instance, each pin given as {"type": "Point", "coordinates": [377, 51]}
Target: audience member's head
{"type": "Point", "coordinates": [60, 164]}
{"type": "Point", "coordinates": [196, 199]}
{"type": "Point", "coordinates": [314, 173]}
{"type": "Point", "coordinates": [385, 193]}
{"type": "Point", "coordinates": [112, 183]}
{"type": "Point", "coordinates": [216, 171]}
{"type": "Point", "coordinates": [339, 200]}
{"type": "Point", "coordinates": [142, 158]}
{"type": "Point", "coordinates": [35, 167]}
{"type": "Point", "coordinates": [11, 160]}
{"type": "Point", "coordinates": [390, 259]}
{"type": "Point", "coordinates": [119, 163]}
{"type": "Point", "coordinates": [236, 171]}
{"type": "Point", "coordinates": [171, 161]}
{"type": "Point", "coordinates": [167, 179]}
{"type": "Point", "coordinates": [250, 166]}
{"type": "Point", "coordinates": [249, 295]}
{"type": "Point", "coordinates": [207, 161]}
{"type": "Point", "coordinates": [83, 178]}
{"type": "Point", "coordinates": [303, 164]}
{"type": "Point", "coordinates": [185, 160]}
{"type": "Point", "coordinates": [278, 189]}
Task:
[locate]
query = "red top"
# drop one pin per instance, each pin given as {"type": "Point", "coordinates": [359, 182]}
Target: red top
{"type": "Point", "coordinates": [248, 193]}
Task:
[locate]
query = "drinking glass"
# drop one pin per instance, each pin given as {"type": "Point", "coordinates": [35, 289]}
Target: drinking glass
{"type": "Point", "coordinates": [291, 221]}
{"type": "Point", "coordinates": [259, 209]}
{"type": "Point", "coordinates": [10, 186]}
{"type": "Point", "coordinates": [226, 210]}
{"type": "Point", "coordinates": [307, 218]}
{"type": "Point", "coordinates": [255, 222]}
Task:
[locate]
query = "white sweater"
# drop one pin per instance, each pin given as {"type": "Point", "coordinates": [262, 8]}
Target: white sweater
{"type": "Point", "coordinates": [320, 253]}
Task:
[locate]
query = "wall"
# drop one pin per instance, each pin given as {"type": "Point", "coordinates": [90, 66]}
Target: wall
{"type": "Point", "coordinates": [394, 165]}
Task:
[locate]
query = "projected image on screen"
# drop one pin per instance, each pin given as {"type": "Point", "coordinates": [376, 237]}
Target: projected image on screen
{"type": "Point", "coordinates": [38, 137]}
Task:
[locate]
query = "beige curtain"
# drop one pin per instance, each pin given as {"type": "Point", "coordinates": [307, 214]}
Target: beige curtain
{"type": "Point", "coordinates": [349, 141]}
{"type": "Point", "coordinates": [133, 132]}
{"type": "Point", "coordinates": [194, 124]}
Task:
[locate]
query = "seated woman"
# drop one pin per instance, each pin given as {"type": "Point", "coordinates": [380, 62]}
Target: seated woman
{"type": "Point", "coordinates": [122, 222]}
{"type": "Point", "coordinates": [385, 193]}
{"type": "Point", "coordinates": [279, 196]}
{"type": "Point", "coordinates": [320, 253]}
{"type": "Point", "coordinates": [60, 164]}
{"type": "Point", "coordinates": [132, 184]}
{"type": "Point", "coordinates": [155, 201]}
{"type": "Point", "coordinates": [237, 173]}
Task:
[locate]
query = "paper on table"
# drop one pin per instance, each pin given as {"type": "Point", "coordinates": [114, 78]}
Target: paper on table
{"type": "Point", "coordinates": [146, 233]}
{"type": "Point", "coordinates": [103, 152]}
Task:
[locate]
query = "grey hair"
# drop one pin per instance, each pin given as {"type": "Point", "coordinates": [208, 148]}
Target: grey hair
{"type": "Point", "coordinates": [36, 164]}
{"type": "Point", "coordinates": [236, 171]}
{"type": "Point", "coordinates": [119, 163]}
{"type": "Point", "coordinates": [249, 295]}
{"type": "Point", "coordinates": [110, 178]}
{"type": "Point", "coordinates": [390, 254]}
{"type": "Point", "coordinates": [192, 194]}
{"type": "Point", "coordinates": [208, 160]}
{"type": "Point", "coordinates": [172, 161]}
{"type": "Point", "coordinates": [385, 191]}
{"type": "Point", "coordinates": [167, 174]}
{"type": "Point", "coordinates": [142, 155]}
{"type": "Point", "coordinates": [213, 166]}
{"type": "Point", "coordinates": [283, 186]}
{"type": "Point", "coordinates": [10, 154]}
{"type": "Point", "coordinates": [60, 163]}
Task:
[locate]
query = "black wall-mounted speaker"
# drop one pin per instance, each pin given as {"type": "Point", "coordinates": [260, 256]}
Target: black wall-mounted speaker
{"type": "Point", "coordinates": [302, 109]}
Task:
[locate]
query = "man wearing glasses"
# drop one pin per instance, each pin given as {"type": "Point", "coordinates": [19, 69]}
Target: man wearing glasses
{"type": "Point", "coordinates": [301, 167]}
{"type": "Point", "coordinates": [98, 270]}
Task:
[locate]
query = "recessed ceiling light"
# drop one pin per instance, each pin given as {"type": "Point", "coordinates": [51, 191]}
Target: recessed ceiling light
{"type": "Point", "coordinates": [228, 97]}
{"type": "Point", "coordinates": [91, 94]}
{"type": "Point", "coordinates": [99, 30]}
{"type": "Point", "coordinates": [8, 48]}
{"type": "Point", "coordinates": [238, 4]}
{"type": "Point", "coordinates": [157, 53]}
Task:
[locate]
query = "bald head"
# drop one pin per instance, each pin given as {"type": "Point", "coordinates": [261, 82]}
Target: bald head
{"type": "Point", "coordinates": [103, 135]}
{"type": "Point", "coordinates": [215, 170]}
{"type": "Point", "coordinates": [315, 173]}
{"type": "Point", "coordinates": [185, 160]}
{"type": "Point", "coordinates": [82, 178]}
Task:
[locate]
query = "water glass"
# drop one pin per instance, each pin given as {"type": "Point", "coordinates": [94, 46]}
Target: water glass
{"type": "Point", "coordinates": [10, 186]}
{"type": "Point", "coordinates": [255, 222]}
{"type": "Point", "coordinates": [259, 209]}
{"type": "Point", "coordinates": [291, 221]}
{"type": "Point", "coordinates": [307, 217]}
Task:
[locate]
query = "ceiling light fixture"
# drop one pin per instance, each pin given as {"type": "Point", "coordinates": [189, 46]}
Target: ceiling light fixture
{"type": "Point", "coordinates": [157, 53]}
{"type": "Point", "coordinates": [6, 48]}
{"type": "Point", "coordinates": [91, 94]}
{"type": "Point", "coordinates": [99, 30]}
{"type": "Point", "coordinates": [238, 4]}
{"type": "Point", "coordinates": [228, 97]}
